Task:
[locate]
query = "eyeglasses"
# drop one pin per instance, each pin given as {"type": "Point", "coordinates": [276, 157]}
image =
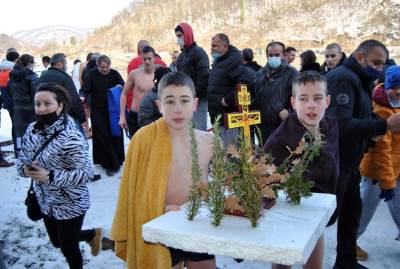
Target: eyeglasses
{"type": "Point", "coordinates": [274, 55]}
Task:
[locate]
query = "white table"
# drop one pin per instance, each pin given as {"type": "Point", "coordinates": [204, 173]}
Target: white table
{"type": "Point", "coordinates": [286, 233]}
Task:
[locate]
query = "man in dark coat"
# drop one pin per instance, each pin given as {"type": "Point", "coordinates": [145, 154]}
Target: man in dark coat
{"type": "Point", "coordinates": [273, 89]}
{"type": "Point", "coordinates": [193, 61]}
{"type": "Point", "coordinates": [247, 58]}
{"type": "Point", "coordinates": [227, 71]}
{"type": "Point", "coordinates": [349, 86]}
{"type": "Point", "coordinates": [57, 74]}
{"type": "Point", "coordinates": [108, 150]}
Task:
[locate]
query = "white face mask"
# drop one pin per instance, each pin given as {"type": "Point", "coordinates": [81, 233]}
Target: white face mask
{"type": "Point", "coordinates": [180, 41]}
{"type": "Point", "coordinates": [393, 103]}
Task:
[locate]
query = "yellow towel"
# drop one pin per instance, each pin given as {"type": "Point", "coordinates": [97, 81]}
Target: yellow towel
{"type": "Point", "coordinates": [142, 197]}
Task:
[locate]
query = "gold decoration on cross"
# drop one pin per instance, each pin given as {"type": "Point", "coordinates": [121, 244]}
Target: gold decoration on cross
{"type": "Point", "coordinates": [244, 118]}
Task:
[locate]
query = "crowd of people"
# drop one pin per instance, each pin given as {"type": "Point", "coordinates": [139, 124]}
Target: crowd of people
{"type": "Point", "coordinates": [352, 103]}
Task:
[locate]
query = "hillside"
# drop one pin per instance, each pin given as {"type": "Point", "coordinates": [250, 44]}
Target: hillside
{"type": "Point", "coordinates": [7, 41]}
{"type": "Point", "coordinates": [307, 23]}
{"type": "Point", "coordinates": [248, 23]}
{"type": "Point", "coordinates": [59, 34]}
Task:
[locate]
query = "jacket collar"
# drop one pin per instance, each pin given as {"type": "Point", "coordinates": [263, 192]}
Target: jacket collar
{"type": "Point", "coordinates": [352, 64]}
{"type": "Point", "coordinates": [58, 125]}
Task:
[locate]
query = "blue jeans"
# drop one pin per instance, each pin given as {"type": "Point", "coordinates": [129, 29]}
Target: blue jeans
{"type": "Point", "coordinates": [200, 115]}
{"type": "Point", "coordinates": [370, 201]}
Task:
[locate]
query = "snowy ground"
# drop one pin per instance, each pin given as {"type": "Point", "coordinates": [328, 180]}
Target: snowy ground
{"type": "Point", "coordinates": [26, 245]}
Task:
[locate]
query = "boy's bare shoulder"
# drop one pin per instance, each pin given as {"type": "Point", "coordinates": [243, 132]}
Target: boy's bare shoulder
{"type": "Point", "coordinates": [204, 137]}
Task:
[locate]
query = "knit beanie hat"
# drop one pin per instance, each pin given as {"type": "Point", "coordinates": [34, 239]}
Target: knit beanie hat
{"type": "Point", "coordinates": [392, 77]}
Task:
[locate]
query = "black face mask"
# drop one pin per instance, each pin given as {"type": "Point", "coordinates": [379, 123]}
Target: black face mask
{"type": "Point", "coordinates": [48, 119]}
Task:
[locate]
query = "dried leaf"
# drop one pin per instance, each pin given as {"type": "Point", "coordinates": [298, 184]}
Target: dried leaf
{"type": "Point", "coordinates": [273, 179]}
{"type": "Point", "coordinates": [299, 150]}
{"type": "Point", "coordinates": [264, 169]}
{"type": "Point", "coordinates": [276, 177]}
{"type": "Point", "coordinates": [232, 150]}
{"type": "Point", "coordinates": [232, 204]}
{"type": "Point", "coordinates": [271, 169]}
{"type": "Point", "coordinates": [268, 192]}
{"type": "Point", "coordinates": [263, 159]}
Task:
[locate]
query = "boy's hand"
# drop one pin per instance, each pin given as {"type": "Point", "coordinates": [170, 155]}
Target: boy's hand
{"type": "Point", "coordinates": [283, 114]}
{"type": "Point", "coordinates": [171, 208]}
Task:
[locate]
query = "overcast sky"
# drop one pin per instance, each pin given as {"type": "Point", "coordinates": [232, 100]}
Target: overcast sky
{"type": "Point", "coordinates": [17, 15]}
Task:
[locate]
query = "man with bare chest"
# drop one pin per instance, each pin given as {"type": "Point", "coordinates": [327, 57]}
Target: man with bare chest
{"type": "Point", "coordinates": [157, 178]}
{"type": "Point", "coordinates": [140, 81]}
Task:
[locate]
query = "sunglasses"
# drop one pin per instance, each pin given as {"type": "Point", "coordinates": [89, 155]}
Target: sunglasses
{"type": "Point", "coordinates": [274, 55]}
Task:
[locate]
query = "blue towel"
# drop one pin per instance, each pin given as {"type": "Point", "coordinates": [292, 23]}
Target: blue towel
{"type": "Point", "coordinates": [114, 95]}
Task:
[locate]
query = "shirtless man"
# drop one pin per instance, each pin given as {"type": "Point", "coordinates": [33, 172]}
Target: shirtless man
{"type": "Point", "coordinates": [140, 81]}
{"type": "Point", "coordinates": [177, 104]}
{"type": "Point", "coordinates": [167, 171]}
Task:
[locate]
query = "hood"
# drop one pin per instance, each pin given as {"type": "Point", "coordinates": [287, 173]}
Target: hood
{"type": "Point", "coordinates": [5, 64]}
{"type": "Point", "coordinates": [379, 95]}
{"type": "Point", "coordinates": [187, 34]}
{"type": "Point", "coordinates": [19, 73]}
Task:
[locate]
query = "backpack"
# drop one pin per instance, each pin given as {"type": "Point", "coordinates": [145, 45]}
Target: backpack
{"type": "Point", "coordinates": [4, 76]}
{"type": "Point", "coordinates": [7, 102]}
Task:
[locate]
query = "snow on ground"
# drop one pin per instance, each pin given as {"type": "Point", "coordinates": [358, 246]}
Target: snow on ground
{"type": "Point", "coordinates": [26, 245]}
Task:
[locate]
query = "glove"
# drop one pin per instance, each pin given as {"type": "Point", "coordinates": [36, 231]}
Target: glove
{"type": "Point", "coordinates": [387, 195]}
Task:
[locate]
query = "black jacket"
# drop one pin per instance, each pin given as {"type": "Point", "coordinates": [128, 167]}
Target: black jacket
{"type": "Point", "coordinates": [59, 77]}
{"type": "Point", "coordinates": [22, 92]}
{"type": "Point", "coordinates": [311, 67]}
{"type": "Point", "coordinates": [324, 170]}
{"type": "Point", "coordinates": [273, 89]}
{"type": "Point", "coordinates": [193, 61]}
{"type": "Point", "coordinates": [351, 102]}
{"type": "Point", "coordinates": [148, 110]}
{"type": "Point", "coordinates": [253, 65]}
{"type": "Point", "coordinates": [225, 74]}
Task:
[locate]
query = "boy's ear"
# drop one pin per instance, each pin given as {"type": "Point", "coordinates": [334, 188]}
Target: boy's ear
{"type": "Point", "coordinates": [195, 103]}
{"type": "Point", "coordinates": [328, 100]}
{"type": "Point", "coordinates": [158, 103]}
{"type": "Point", "coordinates": [293, 102]}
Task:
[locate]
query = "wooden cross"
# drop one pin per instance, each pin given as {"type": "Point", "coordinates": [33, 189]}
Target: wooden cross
{"type": "Point", "coordinates": [244, 118]}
